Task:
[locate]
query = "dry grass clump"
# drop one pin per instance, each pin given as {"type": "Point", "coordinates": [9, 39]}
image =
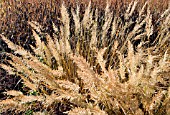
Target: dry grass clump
{"type": "Point", "coordinates": [114, 64]}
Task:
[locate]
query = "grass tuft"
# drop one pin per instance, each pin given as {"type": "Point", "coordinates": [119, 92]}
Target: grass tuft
{"type": "Point", "coordinates": [97, 62]}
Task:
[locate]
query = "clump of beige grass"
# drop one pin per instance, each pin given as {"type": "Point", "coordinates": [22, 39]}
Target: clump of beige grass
{"type": "Point", "coordinates": [104, 74]}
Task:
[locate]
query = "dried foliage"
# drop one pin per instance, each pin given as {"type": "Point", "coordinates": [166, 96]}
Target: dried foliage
{"type": "Point", "coordinates": [97, 62]}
